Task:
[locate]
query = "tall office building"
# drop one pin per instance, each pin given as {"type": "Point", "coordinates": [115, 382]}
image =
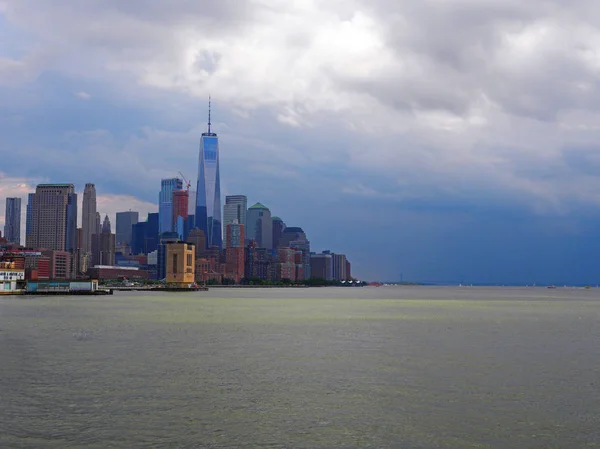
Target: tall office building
{"type": "Point", "coordinates": [144, 235]}
{"type": "Point", "coordinates": [54, 218]}
{"type": "Point", "coordinates": [278, 227]}
{"type": "Point", "coordinates": [235, 209]}
{"type": "Point", "coordinates": [29, 215]}
{"type": "Point", "coordinates": [125, 222]}
{"type": "Point", "coordinates": [106, 224]}
{"type": "Point", "coordinates": [165, 203]}
{"type": "Point", "coordinates": [103, 247]}
{"type": "Point", "coordinates": [12, 221]}
{"type": "Point", "coordinates": [291, 234]}
{"type": "Point", "coordinates": [259, 226]}
{"type": "Point", "coordinates": [88, 218]}
{"type": "Point", "coordinates": [208, 191]}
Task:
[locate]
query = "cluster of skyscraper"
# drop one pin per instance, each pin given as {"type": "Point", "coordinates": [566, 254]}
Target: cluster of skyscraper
{"type": "Point", "coordinates": [256, 245]}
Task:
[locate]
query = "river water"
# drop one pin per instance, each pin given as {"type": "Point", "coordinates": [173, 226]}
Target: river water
{"type": "Point", "coordinates": [404, 367]}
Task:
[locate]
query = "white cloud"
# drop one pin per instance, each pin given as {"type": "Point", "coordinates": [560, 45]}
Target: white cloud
{"type": "Point", "coordinates": [457, 94]}
{"type": "Point", "coordinates": [83, 95]}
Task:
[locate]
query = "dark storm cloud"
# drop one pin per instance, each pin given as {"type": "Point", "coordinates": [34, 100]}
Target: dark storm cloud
{"type": "Point", "coordinates": [415, 114]}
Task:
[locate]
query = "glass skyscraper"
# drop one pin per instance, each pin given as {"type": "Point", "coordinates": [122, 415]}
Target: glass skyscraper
{"type": "Point", "coordinates": [165, 203]}
{"type": "Point", "coordinates": [12, 220]}
{"type": "Point", "coordinates": [208, 196]}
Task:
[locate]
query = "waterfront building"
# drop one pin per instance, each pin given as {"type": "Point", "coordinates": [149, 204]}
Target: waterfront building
{"type": "Point", "coordinates": [29, 216]}
{"type": "Point", "coordinates": [12, 221]}
{"type": "Point", "coordinates": [125, 222]}
{"type": "Point", "coordinates": [278, 227]}
{"type": "Point", "coordinates": [59, 264]}
{"type": "Point", "coordinates": [339, 267]}
{"type": "Point", "coordinates": [109, 272]}
{"type": "Point", "coordinates": [321, 266]}
{"type": "Point", "coordinates": [198, 239]}
{"type": "Point", "coordinates": [89, 218]}
{"type": "Point", "coordinates": [299, 261]}
{"type": "Point", "coordinates": [294, 237]}
{"type": "Point", "coordinates": [165, 203]}
{"type": "Point", "coordinates": [180, 263]}
{"type": "Point", "coordinates": [260, 226]}
{"type": "Point", "coordinates": [348, 269]}
{"type": "Point", "coordinates": [207, 270]}
{"type": "Point", "coordinates": [208, 191]}
{"type": "Point", "coordinates": [259, 263]}
{"type": "Point", "coordinates": [286, 264]}
{"type": "Point", "coordinates": [98, 224]}
{"type": "Point", "coordinates": [235, 252]}
{"type": "Point", "coordinates": [12, 278]}
{"type": "Point", "coordinates": [54, 218]}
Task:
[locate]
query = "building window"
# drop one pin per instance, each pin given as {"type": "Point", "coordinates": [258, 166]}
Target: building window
{"type": "Point", "coordinates": [174, 263]}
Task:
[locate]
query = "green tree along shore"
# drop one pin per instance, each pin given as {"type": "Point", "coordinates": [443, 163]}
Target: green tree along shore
{"type": "Point", "coordinates": [315, 282]}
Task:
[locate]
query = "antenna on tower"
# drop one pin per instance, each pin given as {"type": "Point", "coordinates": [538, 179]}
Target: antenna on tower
{"type": "Point", "coordinates": [209, 114]}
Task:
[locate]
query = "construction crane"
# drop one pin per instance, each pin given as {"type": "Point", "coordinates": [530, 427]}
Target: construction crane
{"type": "Point", "coordinates": [187, 183]}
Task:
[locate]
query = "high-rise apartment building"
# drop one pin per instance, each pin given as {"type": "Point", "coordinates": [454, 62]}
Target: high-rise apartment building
{"type": "Point", "coordinates": [54, 218]}
{"type": "Point", "coordinates": [259, 226]}
{"type": "Point", "coordinates": [165, 203]}
{"type": "Point", "coordinates": [88, 218]}
{"type": "Point", "coordinates": [125, 222]}
{"type": "Point", "coordinates": [339, 267]}
{"type": "Point", "coordinates": [234, 252]}
{"type": "Point", "coordinates": [12, 221]}
{"type": "Point", "coordinates": [180, 212]}
{"type": "Point", "coordinates": [321, 266]}
{"type": "Point", "coordinates": [208, 191]}
{"type": "Point", "coordinates": [180, 204]}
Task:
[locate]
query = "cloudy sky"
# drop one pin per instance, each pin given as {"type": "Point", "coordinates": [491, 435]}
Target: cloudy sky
{"type": "Point", "coordinates": [440, 140]}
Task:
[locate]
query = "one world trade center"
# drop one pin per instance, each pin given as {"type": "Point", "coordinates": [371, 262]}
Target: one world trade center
{"type": "Point", "coordinates": [208, 199]}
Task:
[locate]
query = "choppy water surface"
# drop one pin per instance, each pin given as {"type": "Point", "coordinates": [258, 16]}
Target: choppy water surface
{"type": "Point", "coordinates": [303, 368]}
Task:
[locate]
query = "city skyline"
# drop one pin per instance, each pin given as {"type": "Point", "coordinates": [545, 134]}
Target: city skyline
{"type": "Point", "coordinates": [462, 156]}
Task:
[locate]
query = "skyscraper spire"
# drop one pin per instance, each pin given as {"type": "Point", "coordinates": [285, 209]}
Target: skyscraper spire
{"type": "Point", "coordinates": [209, 114]}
